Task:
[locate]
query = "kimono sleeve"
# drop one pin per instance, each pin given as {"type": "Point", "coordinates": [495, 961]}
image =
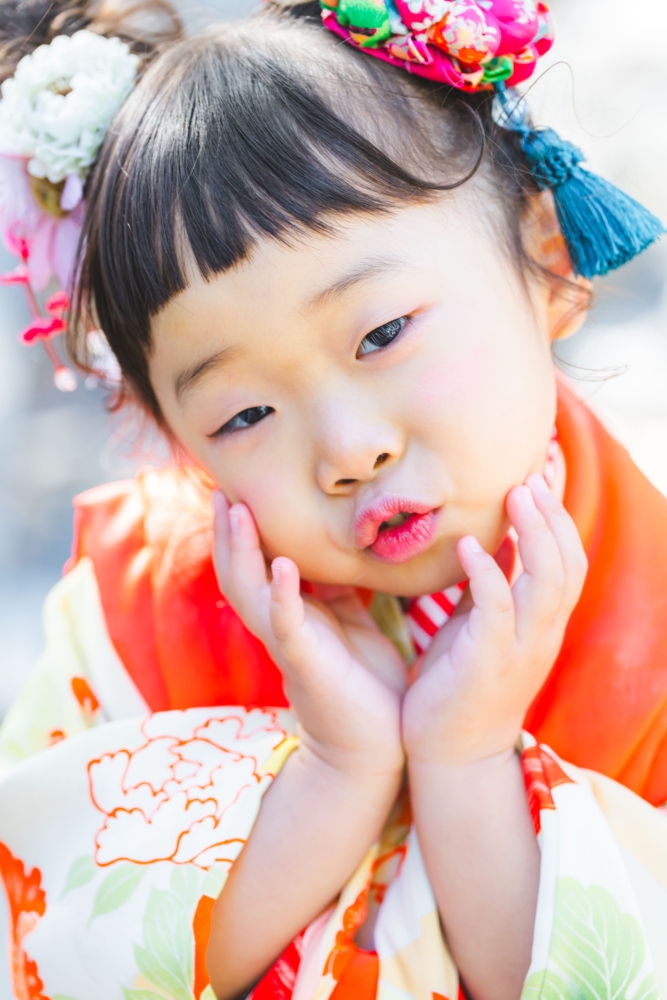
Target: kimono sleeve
{"type": "Point", "coordinates": [79, 680]}
{"type": "Point", "coordinates": [601, 922]}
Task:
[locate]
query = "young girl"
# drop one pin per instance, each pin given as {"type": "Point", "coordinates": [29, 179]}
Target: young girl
{"type": "Point", "coordinates": [335, 284]}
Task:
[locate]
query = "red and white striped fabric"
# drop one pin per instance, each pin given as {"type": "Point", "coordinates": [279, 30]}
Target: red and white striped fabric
{"type": "Point", "coordinates": [429, 613]}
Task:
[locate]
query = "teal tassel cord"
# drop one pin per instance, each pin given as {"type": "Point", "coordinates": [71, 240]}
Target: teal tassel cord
{"type": "Point", "coordinates": [602, 226]}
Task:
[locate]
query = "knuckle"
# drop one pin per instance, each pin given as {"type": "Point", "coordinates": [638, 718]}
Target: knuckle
{"type": "Point", "coordinates": [280, 625]}
{"type": "Point", "coordinates": [540, 528]}
{"type": "Point", "coordinates": [556, 580]}
{"type": "Point", "coordinates": [553, 591]}
{"type": "Point", "coordinates": [282, 634]}
{"type": "Point", "coordinates": [504, 605]}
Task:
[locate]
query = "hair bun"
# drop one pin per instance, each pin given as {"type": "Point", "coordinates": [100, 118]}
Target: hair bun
{"type": "Point", "coordinates": [145, 25]}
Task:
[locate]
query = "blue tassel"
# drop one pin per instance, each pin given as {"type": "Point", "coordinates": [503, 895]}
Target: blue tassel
{"type": "Point", "coordinates": [602, 226]}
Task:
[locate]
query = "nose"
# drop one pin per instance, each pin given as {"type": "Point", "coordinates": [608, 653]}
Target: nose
{"type": "Point", "coordinates": [353, 451]}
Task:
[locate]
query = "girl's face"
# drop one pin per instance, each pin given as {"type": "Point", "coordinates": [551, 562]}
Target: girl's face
{"type": "Point", "coordinates": [371, 396]}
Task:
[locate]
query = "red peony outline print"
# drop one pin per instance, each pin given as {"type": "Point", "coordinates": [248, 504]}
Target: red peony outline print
{"type": "Point", "coordinates": [182, 795]}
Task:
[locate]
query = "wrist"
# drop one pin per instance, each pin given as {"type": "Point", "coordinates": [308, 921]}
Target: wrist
{"type": "Point", "coordinates": [466, 786]}
{"type": "Point", "coordinates": [348, 766]}
{"type": "Point", "coordinates": [460, 748]}
{"type": "Point", "coordinates": [452, 769]}
{"type": "Point", "coordinates": [382, 760]}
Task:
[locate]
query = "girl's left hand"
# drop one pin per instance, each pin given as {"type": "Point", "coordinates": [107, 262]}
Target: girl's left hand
{"type": "Point", "coordinates": [486, 665]}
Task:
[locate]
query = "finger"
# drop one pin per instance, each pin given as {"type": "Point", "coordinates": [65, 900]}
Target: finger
{"type": "Point", "coordinates": [247, 581]}
{"type": "Point", "coordinates": [221, 538]}
{"type": "Point", "coordinates": [538, 592]}
{"type": "Point", "coordinates": [296, 638]}
{"type": "Point", "coordinates": [493, 611]}
{"type": "Point", "coordinates": [287, 609]}
{"type": "Point", "coordinates": [564, 530]}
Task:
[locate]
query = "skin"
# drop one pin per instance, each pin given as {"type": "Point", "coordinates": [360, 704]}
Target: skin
{"type": "Point", "coordinates": [460, 405]}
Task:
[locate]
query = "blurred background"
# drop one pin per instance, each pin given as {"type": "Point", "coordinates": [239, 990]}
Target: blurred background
{"type": "Point", "coordinates": [603, 86]}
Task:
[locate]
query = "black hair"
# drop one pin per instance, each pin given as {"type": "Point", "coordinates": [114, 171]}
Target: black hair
{"type": "Point", "coordinates": [266, 128]}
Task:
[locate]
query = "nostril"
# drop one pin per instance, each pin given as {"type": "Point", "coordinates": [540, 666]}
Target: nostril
{"type": "Point", "coordinates": [381, 459]}
{"type": "Point", "coordinates": [345, 482]}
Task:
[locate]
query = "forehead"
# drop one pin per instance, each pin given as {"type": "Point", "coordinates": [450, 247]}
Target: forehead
{"type": "Point", "coordinates": [312, 272]}
{"type": "Point", "coordinates": [281, 304]}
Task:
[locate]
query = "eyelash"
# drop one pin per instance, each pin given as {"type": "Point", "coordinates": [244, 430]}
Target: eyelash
{"type": "Point", "coordinates": [383, 335]}
{"type": "Point", "coordinates": [246, 418]}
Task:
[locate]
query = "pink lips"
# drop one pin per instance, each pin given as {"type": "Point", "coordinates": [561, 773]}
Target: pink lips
{"type": "Point", "coordinates": [402, 542]}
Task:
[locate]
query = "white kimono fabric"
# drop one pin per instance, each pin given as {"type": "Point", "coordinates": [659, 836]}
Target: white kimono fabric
{"type": "Point", "coordinates": [115, 841]}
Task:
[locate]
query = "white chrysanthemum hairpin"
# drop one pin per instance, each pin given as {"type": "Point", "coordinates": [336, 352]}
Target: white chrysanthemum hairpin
{"type": "Point", "coordinates": [54, 114]}
{"type": "Point", "coordinates": [57, 107]}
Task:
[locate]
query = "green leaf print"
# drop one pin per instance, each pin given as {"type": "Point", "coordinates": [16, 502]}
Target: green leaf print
{"type": "Point", "coordinates": [545, 985]}
{"type": "Point", "coordinates": [117, 888]}
{"type": "Point", "coordinates": [648, 990]}
{"type": "Point", "coordinates": [185, 884]}
{"type": "Point", "coordinates": [166, 958]}
{"type": "Point", "coordinates": [597, 951]}
{"type": "Point", "coordinates": [215, 879]}
{"type": "Point", "coordinates": [81, 871]}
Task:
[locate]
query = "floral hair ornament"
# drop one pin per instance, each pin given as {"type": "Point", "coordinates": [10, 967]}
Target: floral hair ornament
{"type": "Point", "coordinates": [54, 114]}
{"type": "Point", "coordinates": [494, 45]}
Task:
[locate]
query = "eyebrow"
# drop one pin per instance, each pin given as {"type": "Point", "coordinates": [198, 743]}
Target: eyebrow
{"type": "Point", "coordinates": [364, 271]}
{"type": "Point", "coordinates": [186, 380]}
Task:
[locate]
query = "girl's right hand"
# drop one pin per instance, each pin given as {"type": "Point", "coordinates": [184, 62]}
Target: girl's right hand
{"type": "Point", "coordinates": [342, 677]}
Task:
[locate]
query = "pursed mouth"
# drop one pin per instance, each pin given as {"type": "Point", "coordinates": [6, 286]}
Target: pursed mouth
{"type": "Point", "coordinates": [404, 535]}
{"type": "Point", "coordinates": [387, 515]}
{"type": "Point", "coordinates": [396, 520]}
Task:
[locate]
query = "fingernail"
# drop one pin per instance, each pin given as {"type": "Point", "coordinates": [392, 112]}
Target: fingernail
{"type": "Point", "coordinates": [537, 483]}
{"type": "Point", "coordinates": [524, 495]}
{"type": "Point", "coordinates": [234, 521]}
{"type": "Point", "coordinates": [473, 545]}
{"type": "Point", "coordinates": [218, 502]}
{"type": "Point", "coordinates": [276, 571]}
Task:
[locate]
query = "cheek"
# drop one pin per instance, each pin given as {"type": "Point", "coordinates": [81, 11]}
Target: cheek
{"type": "Point", "coordinates": [281, 503]}
{"type": "Point", "coordinates": [488, 413]}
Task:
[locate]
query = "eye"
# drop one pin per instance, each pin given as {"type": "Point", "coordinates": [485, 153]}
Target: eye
{"type": "Point", "coordinates": [381, 336]}
{"type": "Point", "coordinates": [246, 418]}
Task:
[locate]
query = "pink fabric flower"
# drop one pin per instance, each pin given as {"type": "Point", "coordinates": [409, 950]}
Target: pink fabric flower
{"type": "Point", "coordinates": [49, 244]}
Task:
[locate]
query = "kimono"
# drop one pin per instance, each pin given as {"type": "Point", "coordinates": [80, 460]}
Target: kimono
{"type": "Point", "coordinates": [133, 765]}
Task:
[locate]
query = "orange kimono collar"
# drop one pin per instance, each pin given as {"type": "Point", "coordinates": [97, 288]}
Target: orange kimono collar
{"type": "Point", "coordinates": [604, 705]}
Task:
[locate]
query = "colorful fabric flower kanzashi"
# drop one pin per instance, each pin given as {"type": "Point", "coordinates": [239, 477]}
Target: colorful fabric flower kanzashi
{"type": "Point", "coordinates": [468, 44]}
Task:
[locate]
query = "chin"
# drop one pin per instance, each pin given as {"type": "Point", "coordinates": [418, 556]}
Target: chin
{"type": "Point", "coordinates": [436, 569]}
